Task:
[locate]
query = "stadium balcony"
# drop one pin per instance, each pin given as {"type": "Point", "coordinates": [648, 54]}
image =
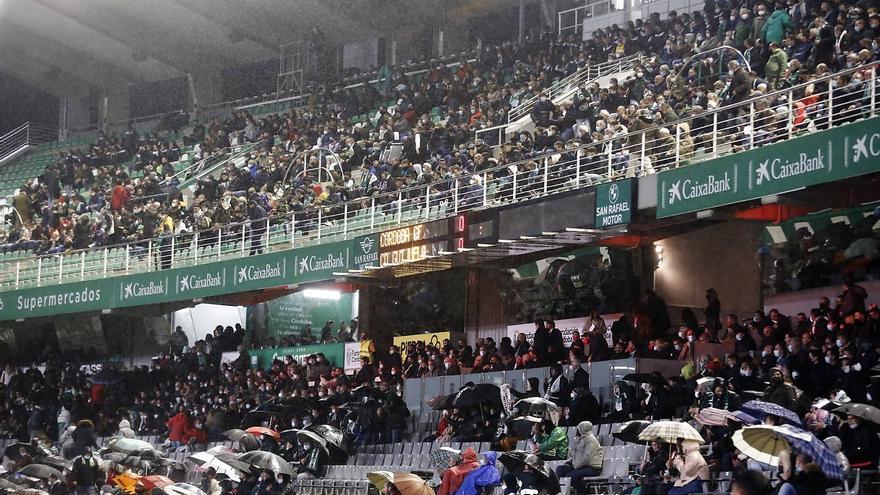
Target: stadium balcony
{"type": "Point", "coordinates": [752, 123]}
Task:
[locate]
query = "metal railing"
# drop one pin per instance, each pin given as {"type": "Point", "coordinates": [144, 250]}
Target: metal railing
{"type": "Point", "coordinates": [208, 164]}
{"type": "Point", "coordinates": [27, 134]}
{"type": "Point", "coordinates": [573, 20]}
{"type": "Point", "coordinates": [569, 84]}
{"type": "Point", "coordinates": [564, 88]}
{"type": "Point", "coordinates": [712, 133]}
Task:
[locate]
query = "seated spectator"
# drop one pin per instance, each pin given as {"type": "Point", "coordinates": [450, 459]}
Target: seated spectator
{"type": "Point", "coordinates": [585, 457]}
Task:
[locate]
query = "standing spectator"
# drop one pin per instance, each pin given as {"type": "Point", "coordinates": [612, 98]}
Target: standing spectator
{"type": "Point", "coordinates": [177, 426]}
{"type": "Point", "coordinates": [776, 27]}
{"type": "Point", "coordinates": [658, 312]}
{"type": "Point", "coordinates": [712, 311]}
{"type": "Point", "coordinates": [258, 227]}
{"type": "Point", "coordinates": [86, 474]}
{"type": "Point", "coordinates": [556, 346]}
{"type": "Point", "coordinates": [854, 296]}
{"type": "Point", "coordinates": [541, 342]}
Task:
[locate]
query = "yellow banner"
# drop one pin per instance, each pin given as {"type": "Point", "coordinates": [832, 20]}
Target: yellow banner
{"type": "Point", "coordinates": [435, 339]}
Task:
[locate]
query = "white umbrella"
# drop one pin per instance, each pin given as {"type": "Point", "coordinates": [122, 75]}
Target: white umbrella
{"type": "Point", "coordinates": [205, 460]}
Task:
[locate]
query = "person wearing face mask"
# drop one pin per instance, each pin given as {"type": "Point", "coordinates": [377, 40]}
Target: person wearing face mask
{"type": "Point", "coordinates": [743, 343]}
{"type": "Point", "coordinates": [779, 392]}
{"type": "Point", "coordinates": [859, 442]}
{"type": "Point", "coordinates": [86, 473]}
{"type": "Point", "coordinates": [557, 389]}
{"type": "Point", "coordinates": [819, 378]}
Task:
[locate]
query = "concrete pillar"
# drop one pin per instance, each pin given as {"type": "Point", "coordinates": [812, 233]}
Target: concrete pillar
{"type": "Point", "coordinates": [113, 105]}
{"type": "Point", "coordinates": [205, 89]}
{"type": "Point", "coordinates": [74, 111]}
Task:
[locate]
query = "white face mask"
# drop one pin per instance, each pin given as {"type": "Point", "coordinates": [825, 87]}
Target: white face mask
{"type": "Point", "coordinates": [839, 342]}
{"type": "Point", "coordinates": [777, 352]}
{"type": "Point", "coordinates": [857, 367]}
{"type": "Point", "coordinates": [828, 359]}
{"type": "Point", "coordinates": [746, 372]}
{"type": "Point", "coordinates": [739, 337]}
{"type": "Point", "coordinates": [764, 353]}
{"type": "Point", "coordinates": [790, 348]}
{"type": "Point", "coordinates": [681, 335]}
{"type": "Point", "coordinates": [690, 338]}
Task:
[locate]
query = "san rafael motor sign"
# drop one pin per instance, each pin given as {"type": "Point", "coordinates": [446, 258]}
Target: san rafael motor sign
{"type": "Point", "coordinates": [366, 252]}
{"type": "Point", "coordinates": [846, 151]}
{"type": "Point", "coordinates": [614, 203]}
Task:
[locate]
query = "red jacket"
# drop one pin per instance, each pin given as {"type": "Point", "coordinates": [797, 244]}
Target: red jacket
{"type": "Point", "coordinates": [195, 435]}
{"type": "Point", "coordinates": [177, 427]}
{"type": "Point", "coordinates": [119, 197]}
{"type": "Point", "coordinates": [453, 476]}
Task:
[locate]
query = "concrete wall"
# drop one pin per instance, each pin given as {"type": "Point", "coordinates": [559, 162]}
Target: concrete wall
{"type": "Point", "coordinates": [721, 256]}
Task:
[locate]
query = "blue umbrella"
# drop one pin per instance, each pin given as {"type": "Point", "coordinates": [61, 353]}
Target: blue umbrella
{"type": "Point", "coordinates": [761, 409]}
{"type": "Point", "coordinates": [806, 442]}
{"type": "Point", "coordinates": [481, 477]}
{"type": "Point", "coordinates": [746, 419]}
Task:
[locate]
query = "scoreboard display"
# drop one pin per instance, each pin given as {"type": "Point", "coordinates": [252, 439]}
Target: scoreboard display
{"type": "Point", "coordinates": [418, 242]}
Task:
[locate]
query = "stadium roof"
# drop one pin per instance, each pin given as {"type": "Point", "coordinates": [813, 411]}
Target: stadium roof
{"type": "Point", "coordinates": [55, 44]}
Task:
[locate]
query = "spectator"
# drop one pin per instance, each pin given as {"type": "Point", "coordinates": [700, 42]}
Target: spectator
{"type": "Point", "coordinates": [586, 457]}
{"type": "Point", "coordinates": [454, 476]}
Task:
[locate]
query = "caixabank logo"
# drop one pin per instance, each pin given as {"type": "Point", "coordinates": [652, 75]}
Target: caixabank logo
{"type": "Point", "coordinates": [260, 272]}
{"type": "Point", "coordinates": [136, 290]}
{"type": "Point", "coordinates": [197, 282]}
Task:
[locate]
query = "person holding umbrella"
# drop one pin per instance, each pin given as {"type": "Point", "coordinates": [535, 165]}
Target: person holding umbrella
{"type": "Point", "coordinates": [651, 470]}
{"type": "Point", "coordinates": [692, 468]}
{"type": "Point", "coordinates": [210, 485]}
{"type": "Point", "coordinates": [859, 442]}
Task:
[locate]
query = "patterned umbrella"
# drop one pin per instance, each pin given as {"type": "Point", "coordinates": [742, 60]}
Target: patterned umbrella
{"type": "Point", "coordinates": [761, 443]}
{"type": "Point", "coordinates": [746, 419]}
{"type": "Point", "coordinates": [864, 411]}
{"type": "Point", "coordinates": [765, 443]}
{"type": "Point", "coordinates": [711, 416]}
{"type": "Point", "coordinates": [760, 408]}
{"type": "Point", "coordinates": [670, 432]}
{"type": "Point", "coordinates": [406, 483]}
{"type": "Point", "coordinates": [440, 458]}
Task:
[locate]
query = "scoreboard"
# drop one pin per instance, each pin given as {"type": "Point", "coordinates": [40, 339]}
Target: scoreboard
{"type": "Point", "coordinates": [418, 242]}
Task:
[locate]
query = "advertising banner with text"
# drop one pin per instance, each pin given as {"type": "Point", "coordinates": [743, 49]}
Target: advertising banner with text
{"type": "Point", "coordinates": [262, 358]}
{"type": "Point", "coordinates": [435, 339]}
{"type": "Point", "coordinates": [839, 153]}
{"type": "Point", "coordinates": [301, 265]}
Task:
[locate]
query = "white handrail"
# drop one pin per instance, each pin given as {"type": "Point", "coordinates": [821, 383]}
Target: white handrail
{"type": "Point", "coordinates": [625, 155]}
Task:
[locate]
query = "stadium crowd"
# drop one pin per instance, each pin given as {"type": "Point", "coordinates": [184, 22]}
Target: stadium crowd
{"type": "Point", "coordinates": [799, 365]}
{"type": "Point", "coordinates": [124, 189]}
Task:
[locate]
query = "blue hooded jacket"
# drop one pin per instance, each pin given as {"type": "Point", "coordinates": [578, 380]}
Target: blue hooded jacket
{"type": "Point", "coordinates": [485, 475]}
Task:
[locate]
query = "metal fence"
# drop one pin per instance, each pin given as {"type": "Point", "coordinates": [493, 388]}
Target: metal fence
{"type": "Point", "coordinates": [27, 134]}
{"type": "Point", "coordinates": [715, 132]}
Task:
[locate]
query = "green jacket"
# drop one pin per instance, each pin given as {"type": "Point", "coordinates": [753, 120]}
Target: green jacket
{"type": "Point", "coordinates": [775, 66]}
{"type": "Point", "coordinates": [776, 26]}
{"type": "Point", "coordinates": [742, 32]}
{"type": "Point", "coordinates": [555, 444]}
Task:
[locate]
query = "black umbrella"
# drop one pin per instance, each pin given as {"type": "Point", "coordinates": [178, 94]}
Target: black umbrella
{"type": "Point", "coordinates": [13, 452]}
{"type": "Point", "coordinates": [235, 434]}
{"type": "Point", "coordinates": [629, 431]}
{"type": "Point", "coordinates": [478, 395]}
{"type": "Point", "coordinates": [55, 461]}
{"type": "Point", "coordinates": [232, 461]}
{"type": "Point", "coordinates": [366, 393]}
{"type": "Point", "coordinates": [248, 443]}
{"type": "Point", "coordinates": [337, 443]}
{"type": "Point", "coordinates": [442, 402]}
{"type": "Point", "coordinates": [334, 400]}
{"type": "Point", "coordinates": [653, 378]}
{"type": "Point", "coordinates": [8, 485]}
{"type": "Point", "coordinates": [41, 471]}
{"type": "Point", "coordinates": [106, 376]}
{"type": "Point", "coordinates": [514, 461]}
{"type": "Point", "coordinates": [261, 459]}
